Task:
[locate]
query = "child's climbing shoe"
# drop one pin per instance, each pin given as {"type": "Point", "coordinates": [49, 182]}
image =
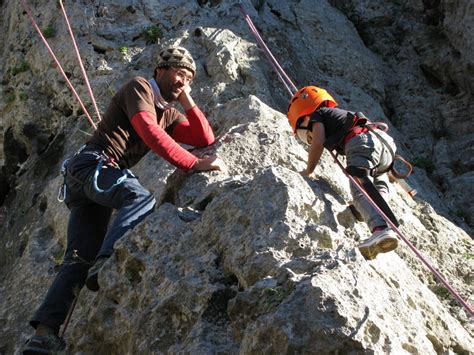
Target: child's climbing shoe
{"type": "Point", "coordinates": [381, 241]}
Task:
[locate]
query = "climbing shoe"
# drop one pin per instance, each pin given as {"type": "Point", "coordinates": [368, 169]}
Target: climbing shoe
{"type": "Point", "coordinates": [381, 241]}
{"type": "Point", "coordinates": [92, 281]}
{"type": "Point", "coordinates": [45, 344]}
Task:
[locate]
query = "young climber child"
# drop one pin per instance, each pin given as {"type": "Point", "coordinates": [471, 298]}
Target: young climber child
{"type": "Point", "coordinates": [314, 118]}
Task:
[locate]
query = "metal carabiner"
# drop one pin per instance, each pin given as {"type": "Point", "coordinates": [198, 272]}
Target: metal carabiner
{"type": "Point", "coordinates": [62, 189]}
{"type": "Point", "coordinates": [62, 193]}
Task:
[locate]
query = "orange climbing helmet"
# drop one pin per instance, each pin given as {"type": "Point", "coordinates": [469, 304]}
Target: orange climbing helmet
{"type": "Point", "coordinates": [306, 101]}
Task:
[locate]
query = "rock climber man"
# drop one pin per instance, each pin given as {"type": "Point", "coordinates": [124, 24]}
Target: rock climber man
{"type": "Point", "coordinates": [140, 118]}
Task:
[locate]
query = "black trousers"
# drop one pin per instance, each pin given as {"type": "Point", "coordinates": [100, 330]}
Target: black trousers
{"type": "Point", "coordinates": [93, 192]}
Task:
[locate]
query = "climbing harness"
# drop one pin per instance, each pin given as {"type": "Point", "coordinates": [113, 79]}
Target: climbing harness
{"type": "Point", "coordinates": [399, 168]}
{"type": "Point", "coordinates": [62, 189]}
{"type": "Point", "coordinates": [103, 162]}
{"type": "Point", "coordinates": [126, 173]}
{"type": "Point", "coordinates": [288, 83]}
{"type": "Point", "coordinates": [76, 95]}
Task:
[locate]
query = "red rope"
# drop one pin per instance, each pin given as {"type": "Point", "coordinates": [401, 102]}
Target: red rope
{"type": "Point", "coordinates": [68, 317]}
{"type": "Point", "coordinates": [28, 11]}
{"type": "Point", "coordinates": [84, 74]}
{"type": "Point", "coordinates": [281, 73]}
{"type": "Point", "coordinates": [284, 78]}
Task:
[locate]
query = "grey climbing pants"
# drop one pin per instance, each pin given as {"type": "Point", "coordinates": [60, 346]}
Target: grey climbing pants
{"type": "Point", "coordinates": [365, 150]}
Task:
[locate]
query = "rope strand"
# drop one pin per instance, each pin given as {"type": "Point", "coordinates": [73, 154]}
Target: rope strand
{"type": "Point", "coordinates": [284, 78]}
{"type": "Point", "coordinates": [30, 15]}
{"type": "Point", "coordinates": [84, 74]}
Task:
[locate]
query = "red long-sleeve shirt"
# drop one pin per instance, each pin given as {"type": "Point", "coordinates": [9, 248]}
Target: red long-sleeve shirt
{"type": "Point", "coordinates": [196, 131]}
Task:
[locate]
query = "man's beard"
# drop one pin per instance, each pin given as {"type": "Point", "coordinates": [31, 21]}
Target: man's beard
{"type": "Point", "coordinates": [171, 95]}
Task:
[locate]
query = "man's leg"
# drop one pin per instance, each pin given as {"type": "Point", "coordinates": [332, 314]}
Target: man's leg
{"type": "Point", "coordinates": [86, 229]}
{"type": "Point", "coordinates": [137, 203]}
{"type": "Point", "coordinates": [131, 200]}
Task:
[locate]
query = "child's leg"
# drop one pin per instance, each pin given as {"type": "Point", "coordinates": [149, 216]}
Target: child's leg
{"type": "Point", "coordinates": [370, 216]}
{"type": "Point", "coordinates": [364, 151]}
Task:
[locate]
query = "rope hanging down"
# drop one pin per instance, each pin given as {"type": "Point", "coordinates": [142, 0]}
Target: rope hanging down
{"type": "Point", "coordinates": [281, 74]}
{"type": "Point", "coordinates": [84, 74]}
{"type": "Point", "coordinates": [76, 95]}
{"type": "Point", "coordinates": [290, 87]}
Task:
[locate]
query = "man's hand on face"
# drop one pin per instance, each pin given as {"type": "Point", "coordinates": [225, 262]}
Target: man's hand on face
{"type": "Point", "coordinates": [211, 162]}
{"type": "Point", "coordinates": [185, 94]}
{"type": "Point", "coordinates": [185, 98]}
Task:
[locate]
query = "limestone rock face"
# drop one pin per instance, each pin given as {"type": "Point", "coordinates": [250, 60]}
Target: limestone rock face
{"type": "Point", "coordinates": [256, 258]}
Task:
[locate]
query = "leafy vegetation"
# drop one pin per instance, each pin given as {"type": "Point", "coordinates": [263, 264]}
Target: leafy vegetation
{"type": "Point", "coordinates": [49, 32]}
{"type": "Point", "coordinates": [9, 97]}
{"type": "Point", "coordinates": [123, 50]}
{"type": "Point", "coordinates": [274, 296]}
{"type": "Point", "coordinates": [441, 292]}
{"type": "Point", "coordinates": [23, 96]}
{"type": "Point", "coordinates": [152, 34]}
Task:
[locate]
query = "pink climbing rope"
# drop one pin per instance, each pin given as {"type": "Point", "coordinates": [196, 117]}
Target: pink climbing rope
{"type": "Point", "coordinates": [284, 78]}
{"type": "Point", "coordinates": [281, 74]}
{"type": "Point", "coordinates": [84, 74]}
{"type": "Point", "coordinates": [30, 15]}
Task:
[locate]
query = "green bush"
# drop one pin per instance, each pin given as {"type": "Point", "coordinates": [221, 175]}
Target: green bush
{"type": "Point", "coordinates": [23, 96]}
{"type": "Point", "coordinates": [152, 34]}
{"type": "Point", "coordinates": [9, 97]}
{"type": "Point", "coordinates": [274, 296]}
{"type": "Point", "coordinates": [441, 292]}
{"type": "Point", "coordinates": [49, 32]}
{"type": "Point", "coordinates": [123, 50]}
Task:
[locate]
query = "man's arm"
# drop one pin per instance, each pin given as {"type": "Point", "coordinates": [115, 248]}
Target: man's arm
{"type": "Point", "coordinates": [196, 131]}
{"type": "Point", "coordinates": [160, 142]}
{"type": "Point", "coordinates": [316, 148]}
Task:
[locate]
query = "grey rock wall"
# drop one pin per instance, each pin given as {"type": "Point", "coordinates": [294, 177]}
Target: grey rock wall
{"type": "Point", "coordinates": [255, 259]}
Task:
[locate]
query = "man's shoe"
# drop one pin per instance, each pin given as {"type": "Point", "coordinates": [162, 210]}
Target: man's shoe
{"type": "Point", "coordinates": [380, 242]}
{"type": "Point", "coordinates": [45, 344]}
{"type": "Point", "coordinates": [92, 281]}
